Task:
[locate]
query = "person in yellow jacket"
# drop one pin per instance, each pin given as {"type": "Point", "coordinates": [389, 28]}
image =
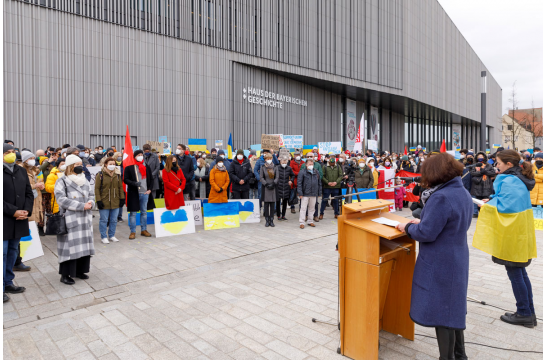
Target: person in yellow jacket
{"type": "Point", "coordinates": [536, 195]}
{"type": "Point", "coordinates": [371, 164]}
{"type": "Point", "coordinates": [56, 173]}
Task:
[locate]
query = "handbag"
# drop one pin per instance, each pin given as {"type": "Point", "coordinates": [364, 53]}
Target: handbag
{"type": "Point", "coordinates": [56, 223]}
{"type": "Point", "coordinates": [293, 200]}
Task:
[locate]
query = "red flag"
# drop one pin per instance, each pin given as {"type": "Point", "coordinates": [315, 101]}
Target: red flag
{"type": "Point", "coordinates": [405, 153]}
{"type": "Point", "coordinates": [409, 196]}
{"type": "Point", "coordinates": [128, 155]}
{"type": "Point", "coordinates": [443, 147]}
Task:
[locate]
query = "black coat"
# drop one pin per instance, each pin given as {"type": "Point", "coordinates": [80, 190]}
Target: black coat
{"type": "Point", "coordinates": [283, 188]}
{"type": "Point", "coordinates": [309, 184]}
{"type": "Point", "coordinates": [185, 163]}
{"type": "Point", "coordinates": [481, 181]}
{"type": "Point", "coordinates": [133, 202]}
{"type": "Point", "coordinates": [17, 196]}
{"type": "Point", "coordinates": [238, 171]}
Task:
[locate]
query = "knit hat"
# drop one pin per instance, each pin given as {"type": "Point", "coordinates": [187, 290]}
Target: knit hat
{"type": "Point", "coordinates": [81, 147]}
{"type": "Point", "coordinates": [71, 160]}
{"type": "Point", "coordinates": [221, 152]}
{"type": "Point", "coordinates": [240, 152]}
{"type": "Point", "coordinates": [470, 153]}
{"type": "Point", "coordinates": [369, 159]}
{"type": "Point", "coordinates": [25, 155]}
{"type": "Point", "coordinates": [253, 152]}
{"type": "Point", "coordinates": [347, 152]}
{"type": "Point", "coordinates": [8, 147]}
{"type": "Point", "coordinates": [362, 161]}
{"type": "Point", "coordinates": [110, 149]}
{"type": "Point", "coordinates": [136, 153]}
{"type": "Point", "coordinates": [404, 158]}
{"type": "Point", "coordinates": [538, 156]}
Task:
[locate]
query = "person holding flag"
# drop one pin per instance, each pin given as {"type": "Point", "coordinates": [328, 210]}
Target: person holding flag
{"type": "Point", "coordinates": [230, 147]}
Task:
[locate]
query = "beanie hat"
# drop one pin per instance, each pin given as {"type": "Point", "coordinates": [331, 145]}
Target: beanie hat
{"type": "Point", "coordinates": [253, 152]}
{"type": "Point", "coordinates": [539, 156]}
{"type": "Point", "coordinates": [240, 152]}
{"type": "Point", "coordinates": [108, 150]}
{"type": "Point", "coordinates": [470, 153]}
{"type": "Point", "coordinates": [369, 159]}
{"type": "Point", "coordinates": [137, 152]}
{"type": "Point", "coordinates": [221, 152]}
{"type": "Point", "coordinates": [81, 147]}
{"type": "Point", "coordinates": [8, 147]}
{"type": "Point", "coordinates": [404, 158]}
{"type": "Point", "coordinates": [25, 155]}
{"type": "Point", "coordinates": [71, 160]}
{"type": "Point", "coordinates": [362, 161]}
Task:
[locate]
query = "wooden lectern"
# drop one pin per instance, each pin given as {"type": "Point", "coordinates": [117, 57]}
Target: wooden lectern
{"type": "Point", "coordinates": [376, 272]}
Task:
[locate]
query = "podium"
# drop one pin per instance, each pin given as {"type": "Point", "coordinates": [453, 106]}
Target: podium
{"type": "Point", "coordinates": [376, 265]}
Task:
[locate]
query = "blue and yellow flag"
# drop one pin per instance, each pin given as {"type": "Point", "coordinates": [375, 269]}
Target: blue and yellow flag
{"type": "Point", "coordinates": [230, 147]}
{"type": "Point", "coordinates": [197, 144]}
{"type": "Point", "coordinates": [505, 228]}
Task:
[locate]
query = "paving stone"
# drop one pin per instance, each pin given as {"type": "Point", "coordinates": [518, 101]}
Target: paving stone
{"type": "Point", "coordinates": [71, 346]}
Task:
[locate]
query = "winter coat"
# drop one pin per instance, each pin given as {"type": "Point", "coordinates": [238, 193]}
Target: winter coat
{"type": "Point", "coordinates": [466, 179]}
{"type": "Point", "coordinates": [399, 193]}
{"type": "Point", "coordinates": [261, 162]}
{"type": "Point", "coordinates": [219, 180]}
{"type": "Point", "coordinates": [481, 181]}
{"type": "Point", "coordinates": [308, 184]}
{"type": "Point", "coordinates": [17, 196]}
{"type": "Point", "coordinates": [283, 188]}
{"type": "Point", "coordinates": [50, 188]}
{"type": "Point", "coordinates": [364, 178]}
{"type": "Point", "coordinates": [536, 195]}
{"type": "Point", "coordinates": [237, 172]}
{"type": "Point", "coordinates": [133, 199]}
{"type": "Point", "coordinates": [37, 210]}
{"type": "Point", "coordinates": [174, 181]}
{"type": "Point", "coordinates": [205, 181]}
{"type": "Point", "coordinates": [79, 222]}
{"type": "Point", "coordinates": [317, 166]}
{"type": "Point", "coordinates": [109, 190]}
{"type": "Point", "coordinates": [152, 160]}
{"type": "Point", "coordinates": [332, 174]}
{"type": "Point", "coordinates": [209, 160]}
{"type": "Point", "coordinates": [296, 167]}
{"type": "Point", "coordinates": [268, 195]}
{"type": "Point", "coordinates": [441, 273]}
{"type": "Point", "coordinates": [185, 162]}
{"type": "Point", "coordinates": [406, 167]}
{"type": "Point", "coordinates": [375, 177]}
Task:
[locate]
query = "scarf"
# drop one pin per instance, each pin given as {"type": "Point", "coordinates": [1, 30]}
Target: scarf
{"type": "Point", "coordinates": [270, 170]}
{"type": "Point", "coordinates": [428, 192]}
{"type": "Point", "coordinates": [141, 168]}
{"type": "Point", "coordinates": [10, 167]}
{"type": "Point", "coordinates": [79, 180]}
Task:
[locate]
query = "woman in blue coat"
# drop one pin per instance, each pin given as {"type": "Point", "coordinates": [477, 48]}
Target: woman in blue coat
{"type": "Point", "coordinates": [440, 279]}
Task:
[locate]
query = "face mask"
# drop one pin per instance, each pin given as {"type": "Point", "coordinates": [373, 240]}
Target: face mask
{"type": "Point", "coordinates": [110, 154]}
{"type": "Point", "coordinates": [62, 168]}
{"type": "Point", "coordinates": [539, 164]}
{"type": "Point", "coordinates": [371, 165]}
{"type": "Point", "coordinates": [358, 157]}
{"type": "Point", "coordinates": [310, 167]}
{"type": "Point", "coordinates": [480, 160]}
{"type": "Point", "coordinates": [31, 162]}
{"type": "Point", "coordinates": [178, 151]}
{"type": "Point", "coordinates": [139, 158]}
{"type": "Point", "coordinates": [186, 152]}
{"type": "Point", "coordinates": [462, 156]}
{"type": "Point", "coordinates": [222, 156]}
{"type": "Point", "coordinates": [297, 158]}
{"type": "Point", "coordinates": [220, 165]}
{"type": "Point", "coordinates": [78, 169]}
{"type": "Point", "coordinates": [204, 156]}
{"type": "Point", "coordinates": [119, 159]}
{"type": "Point", "coordinates": [387, 163]}
{"type": "Point", "coordinates": [269, 162]}
{"type": "Point", "coordinates": [284, 165]}
{"type": "Point", "coordinates": [240, 157]}
{"type": "Point", "coordinates": [362, 165]}
{"type": "Point", "coordinates": [111, 167]}
{"type": "Point", "coordinates": [10, 158]}
{"type": "Point", "coordinates": [341, 160]}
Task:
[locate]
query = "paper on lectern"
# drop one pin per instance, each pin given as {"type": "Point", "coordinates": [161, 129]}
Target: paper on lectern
{"type": "Point", "coordinates": [385, 221]}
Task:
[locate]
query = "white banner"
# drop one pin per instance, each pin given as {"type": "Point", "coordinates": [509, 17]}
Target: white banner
{"type": "Point", "coordinates": [330, 147]}
{"type": "Point", "coordinates": [197, 211]}
{"type": "Point", "coordinates": [358, 146]}
{"type": "Point", "coordinates": [350, 124]}
{"type": "Point", "coordinates": [293, 141]}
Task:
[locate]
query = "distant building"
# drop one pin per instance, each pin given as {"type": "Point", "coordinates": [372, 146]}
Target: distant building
{"type": "Point", "coordinates": [514, 135]}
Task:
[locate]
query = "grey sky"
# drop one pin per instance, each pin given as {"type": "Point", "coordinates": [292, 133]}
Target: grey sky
{"type": "Point", "coordinates": [508, 37]}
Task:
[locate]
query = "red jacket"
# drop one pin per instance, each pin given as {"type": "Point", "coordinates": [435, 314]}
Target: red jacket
{"type": "Point", "coordinates": [296, 167]}
{"type": "Point", "coordinates": [173, 182]}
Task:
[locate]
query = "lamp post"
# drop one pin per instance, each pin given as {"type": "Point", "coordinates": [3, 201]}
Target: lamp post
{"type": "Point", "coordinates": [483, 110]}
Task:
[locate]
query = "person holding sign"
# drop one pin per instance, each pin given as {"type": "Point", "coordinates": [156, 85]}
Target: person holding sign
{"type": "Point", "coordinates": [174, 180]}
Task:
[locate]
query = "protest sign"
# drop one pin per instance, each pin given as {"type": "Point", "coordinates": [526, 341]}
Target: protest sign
{"type": "Point", "coordinates": [293, 141]}
{"type": "Point", "coordinates": [173, 222]}
{"type": "Point", "coordinates": [372, 145]}
{"type": "Point", "coordinates": [270, 142]}
{"type": "Point", "coordinates": [285, 152]}
{"type": "Point", "coordinates": [162, 139]}
{"type": "Point", "coordinates": [159, 146]}
{"type": "Point", "coordinates": [219, 144]}
{"type": "Point", "coordinates": [31, 246]}
{"type": "Point", "coordinates": [496, 146]}
{"type": "Point", "coordinates": [334, 147]}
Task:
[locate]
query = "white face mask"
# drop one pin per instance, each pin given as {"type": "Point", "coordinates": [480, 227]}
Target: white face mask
{"type": "Point", "coordinates": [111, 167]}
{"type": "Point", "coordinates": [310, 167]}
{"type": "Point", "coordinates": [284, 165]}
{"type": "Point", "coordinates": [297, 158]}
{"type": "Point", "coordinates": [362, 165]}
{"type": "Point", "coordinates": [358, 157]}
{"type": "Point", "coordinates": [139, 158]}
{"type": "Point", "coordinates": [62, 168]}
{"type": "Point", "coordinates": [31, 162]}
{"type": "Point", "coordinates": [240, 157]}
{"type": "Point", "coordinates": [268, 161]}
{"type": "Point", "coordinates": [371, 165]}
{"type": "Point", "coordinates": [204, 156]}
{"type": "Point", "coordinates": [341, 160]}
{"type": "Point", "coordinates": [178, 151]}
{"type": "Point", "coordinates": [220, 165]}
{"type": "Point", "coordinates": [222, 156]}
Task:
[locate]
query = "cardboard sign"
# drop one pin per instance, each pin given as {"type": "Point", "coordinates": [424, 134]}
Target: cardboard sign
{"type": "Point", "coordinates": [156, 145]}
{"type": "Point", "coordinates": [334, 147]}
{"type": "Point", "coordinates": [270, 142]}
{"type": "Point", "coordinates": [284, 152]}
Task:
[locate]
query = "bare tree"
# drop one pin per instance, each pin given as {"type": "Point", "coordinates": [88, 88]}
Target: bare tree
{"type": "Point", "coordinates": [511, 122]}
{"type": "Point", "coordinates": [535, 125]}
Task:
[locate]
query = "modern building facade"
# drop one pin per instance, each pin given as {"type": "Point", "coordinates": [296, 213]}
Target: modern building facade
{"type": "Point", "coordinates": [79, 71]}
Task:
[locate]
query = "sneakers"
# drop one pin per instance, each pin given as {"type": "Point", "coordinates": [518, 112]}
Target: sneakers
{"type": "Point", "coordinates": [132, 236]}
{"type": "Point", "coordinates": [145, 233]}
{"type": "Point", "coordinates": [114, 239]}
{"type": "Point", "coordinates": [105, 240]}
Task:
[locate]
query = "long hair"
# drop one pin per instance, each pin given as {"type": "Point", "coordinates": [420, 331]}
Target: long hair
{"type": "Point", "coordinates": [439, 169]}
{"type": "Point", "coordinates": [513, 157]}
{"type": "Point", "coordinates": [168, 163]}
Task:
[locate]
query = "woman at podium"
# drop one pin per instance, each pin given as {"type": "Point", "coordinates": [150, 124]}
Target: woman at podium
{"type": "Point", "coordinates": [441, 273]}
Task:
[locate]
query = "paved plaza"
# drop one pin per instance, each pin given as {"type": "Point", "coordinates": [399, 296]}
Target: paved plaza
{"type": "Point", "coordinates": [246, 293]}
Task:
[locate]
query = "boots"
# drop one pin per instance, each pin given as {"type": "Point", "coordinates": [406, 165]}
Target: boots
{"type": "Point", "coordinates": [459, 345]}
{"type": "Point", "coordinates": [267, 221]}
{"type": "Point", "coordinates": [445, 340]}
{"type": "Point", "coordinates": [271, 221]}
{"type": "Point", "coordinates": [41, 231]}
{"type": "Point", "coordinates": [516, 319]}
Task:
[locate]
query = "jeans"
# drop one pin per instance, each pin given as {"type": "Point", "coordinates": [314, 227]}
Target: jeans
{"type": "Point", "coordinates": [254, 194]}
{"type": "Point", "coordinates": [522, 289]}
{"type": "Point", "coordinates": [143, 200]}
{"type": "Point", "coordinates": [120, 214]}
{"type": "Point", "coordinates": [259, 195]}
{"type": "Point", "coordinates": [334, 202]}
{"type": "Point", "coordinates": [475, 206]}
{"type": "Point", "coordinates": [105, 215]}
{"type": "Point", "coordinates": [11, 251]}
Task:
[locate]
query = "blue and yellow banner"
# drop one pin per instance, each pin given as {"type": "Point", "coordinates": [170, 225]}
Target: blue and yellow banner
{"type": "Point", "coordinates": [230, 147]}
{"type": "Point", "coordinates": [505, 228]}
{"type": "Point", "coordinates": [197, 144]}
{"type": "Point", "coordinates": [308, 148]}
{"type": "Point", "coordinates": [221, 215]}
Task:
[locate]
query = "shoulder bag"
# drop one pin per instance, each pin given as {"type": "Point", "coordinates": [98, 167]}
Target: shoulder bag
{"type": "Point", "coordinates": [56, 223]}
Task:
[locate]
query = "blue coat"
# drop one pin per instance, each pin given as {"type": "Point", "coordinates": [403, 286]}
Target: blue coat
{"type": "Point", "coordinates": [441, 272]}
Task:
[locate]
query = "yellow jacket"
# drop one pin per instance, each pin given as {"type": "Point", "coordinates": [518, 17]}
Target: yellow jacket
{"type": "Point", "coordinates": [50, 188]}
{"type": "Point", "coordinates": [375, 175]}
{"type": "Point", "coordinates": [536, 195]}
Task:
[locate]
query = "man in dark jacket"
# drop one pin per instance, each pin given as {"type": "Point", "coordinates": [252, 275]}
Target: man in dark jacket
{"type": "Point", "coordinates": [18, 203]}
{"type": "Point", "coordinates": [481, 180]}
{"type": "Point", "coordinates": [154, 164]}
{"type": "Point", "coordinates": [331, 182]}
{"type": "Point", "coordinates": [185, 162]}
{"type": "Point", "coordinates": [240, 173]}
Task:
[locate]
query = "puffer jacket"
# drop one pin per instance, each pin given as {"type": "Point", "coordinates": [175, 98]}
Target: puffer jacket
{"type": "Point", "coordinates": [536, 195]}
{"type": "Point", "coordinates": [238, 171]}
{"type": "Point", "coordinates": [50, 187]}
{"type": "Point", "coordinates": [109, 190]}
{"type": "Point", "coordinates": [364, 179]}
{"type": "Point", "coordinates": [283, 188]}
{"type": "Point", "coordinates": [308, 184]}
{"type": "Point", "coordinates": [332, 174]}
{"type": "Point", "coordinates": [481, 181]}
{"type": "Point", "coordinates": [296, 167]}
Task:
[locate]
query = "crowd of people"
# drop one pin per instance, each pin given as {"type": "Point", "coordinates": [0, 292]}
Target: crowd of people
{"type": "Point", "coordinates": [43, 184]}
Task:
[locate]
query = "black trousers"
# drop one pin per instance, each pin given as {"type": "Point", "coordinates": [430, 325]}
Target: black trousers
{"type": "Point", "coordinates": [269, 208]}
{"type": "Point", "coordinates": [75, 267]}
{"type": "Point", "coordinates": [451, 343]}
{"type": "Point", "coordinates": [284, 206]}
{"type": "Point", "coordinates": [240, 194]}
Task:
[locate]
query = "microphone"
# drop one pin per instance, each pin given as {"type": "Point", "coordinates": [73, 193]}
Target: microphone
{"type": "Point", "coordinates": [410, 179]}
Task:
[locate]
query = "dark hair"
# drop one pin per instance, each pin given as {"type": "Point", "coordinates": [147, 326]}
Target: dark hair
{"type": "Point", "coordinates": [146, 147]}
{"type": "Point", "coordinates": [169, 161]}
{"type": "Point", "coordinates": [66, 146]}
{"type": "Point", "coordinates": [513, 157]}
{"type": "Point", "coordinates": [439, 169]}
{"type": "Point", "coordinates": [464, 151]}
{"type": "Point", "coordinates": [182, 146]}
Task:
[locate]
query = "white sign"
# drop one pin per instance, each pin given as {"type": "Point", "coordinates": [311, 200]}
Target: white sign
{"type": "Point", "coordinates": [293, 141]}
{"type": "Point", "coordinates": [350, 124]}
{"type": "Point", "coordinates": [173, 222]}
{"type": "Point", "coordinates": [358, 146]}
{"type": "Point", "coordinates": [372, 145]}
{"type": "Point", "coordinates": [31, 246]}
{"type": "Point", "coordinates": [219, 144]}
{"type": "Point", "coordinates": [269, 98]}
{"type": "Point", "coordinates": [197, 211]}
{"type": "Point", "coordinates": [94, 170]}
{"type": "Point", "coordinates": [330, 147]}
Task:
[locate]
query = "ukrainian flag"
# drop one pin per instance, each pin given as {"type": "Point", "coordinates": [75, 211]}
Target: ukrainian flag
{"type": "Point", "coordinates": [307, 149]}
{"type": "Point", "coordinates": [197, 144]}
{"type": "Point", "coordinates": [230, 147]}
{"type": "Point", "coordinates": [221, 215]}
{"type": "Point", "coordinates": [505, 228]}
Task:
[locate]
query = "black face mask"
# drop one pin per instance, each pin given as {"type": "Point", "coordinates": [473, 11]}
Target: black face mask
{"type": "Point", "coordinates": [470, 160]}
{"type": "Point", "coordinates": [78, 169]}
{"type": "Point", "coordinates": [110, 154]}
{"type": "Point", "coordinates": [539, 164]}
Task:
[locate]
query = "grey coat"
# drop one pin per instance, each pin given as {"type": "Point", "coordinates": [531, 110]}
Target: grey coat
{"type": "Point", "coordinates": [79, 240]}
{"type": "Point", "coordinates": [268, 195]}
{"type": "Point", "coordinates": [154, 164]}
